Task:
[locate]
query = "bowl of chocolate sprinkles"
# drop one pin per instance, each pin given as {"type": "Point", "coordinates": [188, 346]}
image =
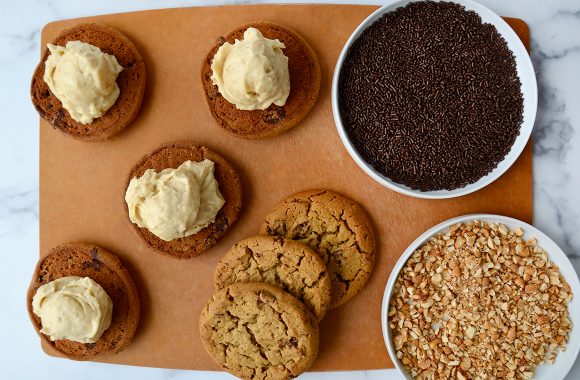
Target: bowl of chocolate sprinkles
{"type": "Point", "coordinates": [434, 99]}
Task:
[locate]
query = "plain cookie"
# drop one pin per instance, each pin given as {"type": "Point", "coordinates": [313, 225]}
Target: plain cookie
{"type": "Point", "coordinates": [131, 82]}
{"type": "Point", "coordinates": [258, 331]}
{"type": "Point", "coordinates": [335, 227]}
{"type": "Point", "coordinates": [171, 156]}
{"type": "Point", "coordinates": [287, 264]}
{"type": "Point", "coordinates": [88, 260]}
{"type": "Point", "coordinates": [304, 87]}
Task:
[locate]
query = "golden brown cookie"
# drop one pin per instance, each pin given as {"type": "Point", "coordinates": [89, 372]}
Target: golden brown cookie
{"type": "Point", "coordinates": [131, 82]}
{"type": "Point", "coordinates": [304, 87]}
{"type": "Point", "coordinates": [335, 227]}
{"type": "Point", "coordinates": [287, 264]}
{"type": "Point", "coordinates": [88, 260]}
{"type": "Point", "coordinates": [171, 156]}
{"type": "Point", "coordinates": [258, 331]}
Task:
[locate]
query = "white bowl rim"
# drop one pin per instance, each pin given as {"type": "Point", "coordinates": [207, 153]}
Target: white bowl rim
{"type": "Point", "coordinates": [526, 127]}
{"type": "Point", "coordinates": [573, 347]}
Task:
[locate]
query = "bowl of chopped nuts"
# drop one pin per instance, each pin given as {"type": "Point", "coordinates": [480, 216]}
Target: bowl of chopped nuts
{"type": "Point", "coordinates": [483, 296]}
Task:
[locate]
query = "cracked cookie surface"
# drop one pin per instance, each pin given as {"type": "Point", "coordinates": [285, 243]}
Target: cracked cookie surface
{"type": "Point", "coordinates": [287, 264]}
{"type": "Point", "coordinates": [258, 331]}
{"type": "Point", "coordinates": [334, 226]}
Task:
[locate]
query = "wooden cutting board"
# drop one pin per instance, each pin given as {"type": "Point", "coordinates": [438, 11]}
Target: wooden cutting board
{"type": "Point", "coordinates": [82, 184]}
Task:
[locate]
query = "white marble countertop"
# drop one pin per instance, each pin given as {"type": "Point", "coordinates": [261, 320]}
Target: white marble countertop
{"type": "Point", "coordinates": [555, 31]}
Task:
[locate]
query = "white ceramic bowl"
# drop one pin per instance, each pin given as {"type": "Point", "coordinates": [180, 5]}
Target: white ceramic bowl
{"type": "Point", "coordinates": [565, 360]}
{"type": "Point", "coordinates": [529, 91]}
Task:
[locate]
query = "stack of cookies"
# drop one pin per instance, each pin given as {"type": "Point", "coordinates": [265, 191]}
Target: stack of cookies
{"type": "Point", "coordinates": [315, 252]}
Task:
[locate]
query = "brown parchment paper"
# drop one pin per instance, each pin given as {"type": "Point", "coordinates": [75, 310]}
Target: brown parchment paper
{"type": "Point", "coordinates": [82, 184]}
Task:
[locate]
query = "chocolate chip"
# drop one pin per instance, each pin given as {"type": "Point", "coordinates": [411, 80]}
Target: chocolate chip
{"type": "Point", "coordinates": [59, 121]}
{"type": "Point", "coordinates": [274, 115]}
{"type": "Point", "coordinates": [93, 264]}
{"type": "Point", "coordinates": [220, 41]}
{"type": "Point", "coordinates": [221, 223]}
{"type": "Point", "coordinates": [301, 229]}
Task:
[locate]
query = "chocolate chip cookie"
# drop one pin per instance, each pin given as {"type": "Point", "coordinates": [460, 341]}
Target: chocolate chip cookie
{"type": "Point", "coordinates": [88, 260]}
{"type": "Point", "coordinates": [304, 72]}
{"type": "Point", "coordinates": [171, 156]}
{"type": "Point", "coordinates": [258, 331]}
{"type": "Point", "coordinates": [287, 264]}
{"type": "Point", "coordinates": [131, 82]}
{"type": "Point", "coordinates": [334, 226]}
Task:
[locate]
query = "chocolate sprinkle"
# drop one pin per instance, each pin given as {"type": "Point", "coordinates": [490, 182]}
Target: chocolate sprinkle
{"type": "Point", "coordinates": [430, 96]}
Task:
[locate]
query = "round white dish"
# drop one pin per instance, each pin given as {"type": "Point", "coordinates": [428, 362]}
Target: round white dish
{"type": "Point", "coordinates": [565, 360]}
{"type": "Point", "coordinates": [529, 90]}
